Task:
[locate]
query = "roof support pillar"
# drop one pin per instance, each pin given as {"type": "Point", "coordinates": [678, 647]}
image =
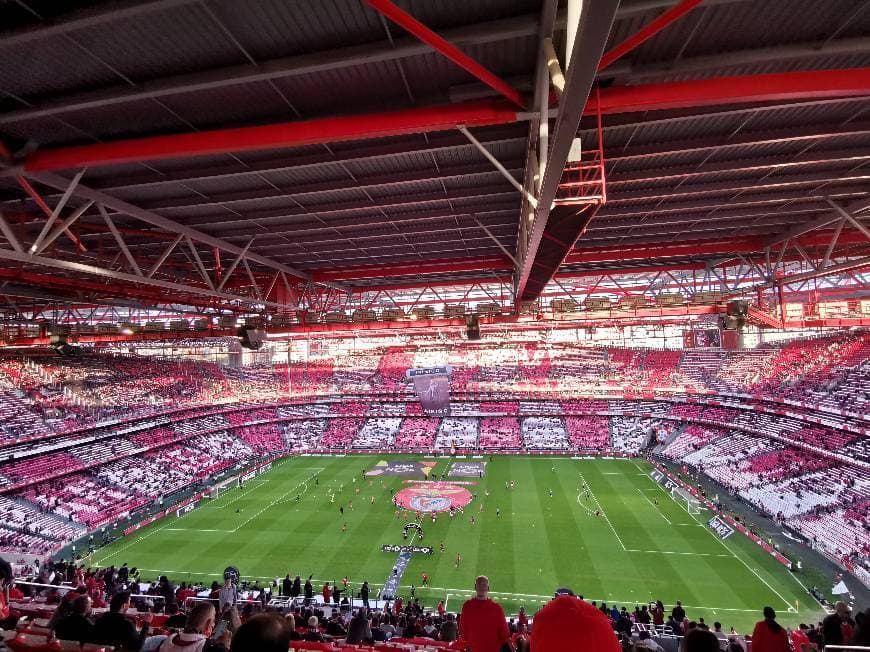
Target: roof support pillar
{"type": "Point", "coordinates": [594, 26]}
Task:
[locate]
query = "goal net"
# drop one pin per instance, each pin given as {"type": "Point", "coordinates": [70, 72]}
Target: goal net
{"type": "Point", "coordinates": [214, 492]}
{"type": "Point", "coordinates": [684, 497]}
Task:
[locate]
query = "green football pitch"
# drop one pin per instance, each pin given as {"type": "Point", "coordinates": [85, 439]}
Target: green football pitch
{"type": "Point", "coordinates": [642, 546]}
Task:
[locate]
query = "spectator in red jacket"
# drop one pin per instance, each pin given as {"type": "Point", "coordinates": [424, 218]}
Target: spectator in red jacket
{"type": "Point", "coordinates": [482, 623]}
{"type": "Point", "coordinates": [769, 635]}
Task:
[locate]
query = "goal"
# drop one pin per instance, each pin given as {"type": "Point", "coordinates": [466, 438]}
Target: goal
{"type": "Point", "coordinates": [684, 497]}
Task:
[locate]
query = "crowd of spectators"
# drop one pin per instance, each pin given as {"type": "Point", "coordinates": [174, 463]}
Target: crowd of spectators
{"type": "Point", "coordinates": [117, 607]}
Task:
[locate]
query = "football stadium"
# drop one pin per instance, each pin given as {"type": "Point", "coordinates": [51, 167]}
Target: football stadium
{"type": "Point", "coordinates": [416, 325]}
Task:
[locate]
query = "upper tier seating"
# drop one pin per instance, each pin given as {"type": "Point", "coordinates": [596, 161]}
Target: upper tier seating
{"type": "Point", "coordinates": [44, 395]}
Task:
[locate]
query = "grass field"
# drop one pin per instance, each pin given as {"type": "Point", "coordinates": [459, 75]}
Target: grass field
{"type": "Point", "coordinates": [635, 552]}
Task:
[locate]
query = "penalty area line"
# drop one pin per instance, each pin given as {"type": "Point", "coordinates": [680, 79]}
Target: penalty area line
{"type": "Point", "coordinates": [304, 483]}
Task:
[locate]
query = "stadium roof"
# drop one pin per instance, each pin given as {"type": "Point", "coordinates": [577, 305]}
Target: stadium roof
{"type": "Point", "coordinates": [216, 152]}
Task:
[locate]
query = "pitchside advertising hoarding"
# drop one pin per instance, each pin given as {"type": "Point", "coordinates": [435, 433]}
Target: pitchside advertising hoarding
{"type": "Point", "coordinates": [432, 385]}
{"type": "Point", "coordinates": [181, 511]}
{"type": "Point", "coordinates": [719, 527]}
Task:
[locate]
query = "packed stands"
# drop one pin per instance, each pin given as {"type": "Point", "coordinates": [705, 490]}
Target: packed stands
{"type": "Point", "coordinates": [378, 432]}
{"type": "Point", "coordinates": [545, 433]}
{"type": "Point", "coordinates": [301, 435]}
{"type": "Point", "coordinates": [499, 433]}
{"type": "Point", "coordinates": [417, 433]}
{"type": "Point", "coordinates": [588, 432]}
{"type": "Point", "coordinates": [457, 432]}
{"type": "Point", "coordinates": [41, 466]}
{"type": "Point", "coordinates": [340, 432]}
{"type": "Point", "coordinates": [630, 434]}
{"type": "Point", "coordinates": [264, 439]}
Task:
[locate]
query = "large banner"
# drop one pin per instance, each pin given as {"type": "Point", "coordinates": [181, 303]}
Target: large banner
{"type": "Point", "coordinates": [432, 385]}
{"type": "Point", "coordinates": [707, 338]}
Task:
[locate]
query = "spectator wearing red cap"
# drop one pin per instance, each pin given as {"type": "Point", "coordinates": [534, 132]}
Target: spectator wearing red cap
{"type": "Point", "coordinates": [482, 623]}
{"type": "Point", "coordinates": [568, 623]}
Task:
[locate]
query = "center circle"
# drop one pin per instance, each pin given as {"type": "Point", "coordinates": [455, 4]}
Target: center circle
{"type": "Point", "coordinates": [432, 497]}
